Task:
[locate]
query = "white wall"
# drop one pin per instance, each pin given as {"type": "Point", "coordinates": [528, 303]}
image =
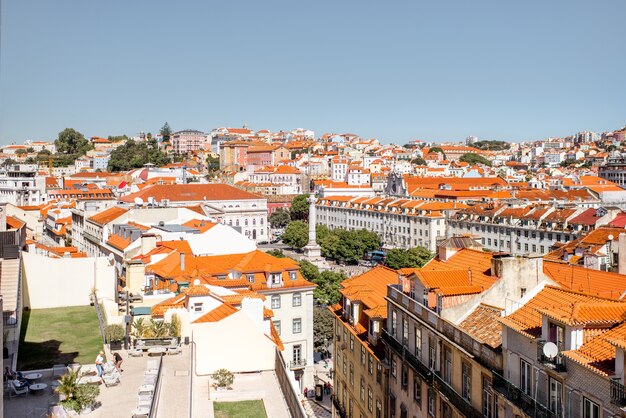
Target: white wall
{"type": "Point", "coordinates": [235, 343]}
{"type": "Point", "coordinates": [59, 282]}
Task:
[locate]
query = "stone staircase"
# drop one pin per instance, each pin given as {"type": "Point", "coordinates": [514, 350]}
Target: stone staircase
{"type": "Point", "coordinates": [9, 283]}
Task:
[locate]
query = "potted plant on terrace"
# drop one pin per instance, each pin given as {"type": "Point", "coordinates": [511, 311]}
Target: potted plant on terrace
{"type": "Point", "coordinates": [223, 379]}
{"type": "Point", "coordinates": [115, 335]}
{"type": "Point", "coordinates": [80, 398]}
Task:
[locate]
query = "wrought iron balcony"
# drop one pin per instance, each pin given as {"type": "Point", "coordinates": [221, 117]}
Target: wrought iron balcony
{"type": "Point", "coordinates": [410, 358]}
{"type": "Point", "coordinates": [460, 403]}
{"type": "Point", "coordinates": [519, 398]}
{"type": "Point", "coordinates": [298, 364]}
{"type": "Point", "coordinates": [556, 363]}
{"type": "Point", "coordinates": [618, 393]}
{"type": "Point", "coordinates": [339, 408]}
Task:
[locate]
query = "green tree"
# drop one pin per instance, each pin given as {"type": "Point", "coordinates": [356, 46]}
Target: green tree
{"type": "Point", "coordinates": [73, 142]}
{"type": "Point", "coordinates": [9, 162]}
{"type": "Point", "coordinates": [472, 158]}
{"type": "Point", "coordinates": [20, 152]}
{"type": "Point", "coordinates": [212, 165]}
{"type": "Point", "coordinates": [309, 270]}
{"type": "Point", "coordinates": [279, 218]}
{"type": "Point", "coordinates": [297, 234]}
{"type": "Point", "coordinates": [398, 258]}
{"type": "Point", "coordinates": [276, 252]}
{"type": "Point", "coordinates": [136, 154]}
{"type": "Point", "coordinates": [43, 153]}
{"type": "Point", "coordinates": [327, 290]}
{"type": "Point", "coordinates": [437, 149]}
{"type": "Point", "coordinates": [491, 145]}
{"type": "Point", "coordinates": [418, 161]}
{"type": "Point", "coordinates": [118, 138]}
{"type": "Point", "coordinates": [166, 132]}
{"type": "Point", "coordinates": [348, 246]}
{"type": "Point", "coordinates": [30, 149]}
{"type": "Point", "coordinates": [299, 207]}
{"type": "Point", "coordinates": [322, 329]}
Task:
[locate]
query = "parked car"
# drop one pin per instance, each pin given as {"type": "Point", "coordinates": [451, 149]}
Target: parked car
{"type": "Point", "coordinates": [263, 242]}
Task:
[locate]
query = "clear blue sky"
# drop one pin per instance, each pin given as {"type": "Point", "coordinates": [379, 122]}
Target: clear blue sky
{"type": "Point", "coordinates": [436, 70]}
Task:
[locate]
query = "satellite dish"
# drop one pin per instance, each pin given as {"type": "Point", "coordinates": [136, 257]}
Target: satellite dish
{"type": "Point", "coordinates": [610, 237]}
{"type": "Point", "coordinates": [196, 282]}
{"type": "Point", "coordinates": [138, 201]}
{"type": "Point", "coordinates": [550, 350]}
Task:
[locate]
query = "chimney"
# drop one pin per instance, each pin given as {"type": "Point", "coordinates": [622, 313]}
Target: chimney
{"type": "Point", "coordinates": [621, 254]}
{"type": "Point", "coordinates": [148, 243]}
{"type": "Point", "coordinates": [182, 262]}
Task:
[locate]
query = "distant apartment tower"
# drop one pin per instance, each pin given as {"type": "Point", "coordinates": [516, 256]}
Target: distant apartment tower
{"type": "Point", "coordinates": [187, 141]}
{"type": "Point", "coordinates": [471, 139]}
{"type": "Point", "coordinates": [614, 170]}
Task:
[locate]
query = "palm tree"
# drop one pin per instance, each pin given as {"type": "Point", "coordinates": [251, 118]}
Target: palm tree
{"type": "Point", "coordinates": [159, 329]}
{"type": "Point", "coordinates": [68, 383]}
{"type": "Point", "coordinates": [139, 328]}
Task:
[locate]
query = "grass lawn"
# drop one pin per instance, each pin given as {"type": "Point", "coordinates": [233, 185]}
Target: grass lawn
{"type": "Point", "coordinates": [240, 409]}
{"type": "Point", "coordinates": [58, 336]}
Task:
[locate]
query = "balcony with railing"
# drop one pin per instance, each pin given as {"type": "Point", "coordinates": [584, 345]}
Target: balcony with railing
{"type": "Point", "coordinates": [341, 411]}
{"type": "Point", "coordinates": [556, 363]}
{"type": "Point", "coordinates": [297, 364]}
{"type": "Point", "coordinates": [519, 398]}
{"type": "Point", "coordinates": [404, 353]}
{"type": "Point", "coordinates": [618, 393]}
{"type": "Point", "coordinates": [459, 402]}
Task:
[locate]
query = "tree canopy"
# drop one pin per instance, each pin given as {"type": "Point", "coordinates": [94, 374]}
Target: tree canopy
{"type": "Point", "coordinates": [166, 132]}
{"type": "Point", "coordinates": [118, 138]}
{"type": "Point", "coordinates": [491, 145]}
{"type": "Point", "coordinates": [279, 218]}
{"type": "Point", "coordinates": [439, 150]}
{"type": "Point", "coordinates": [136, 154]}
{"type": "Point", "coordinates": [299, 207]}
{"type": "Point", "coordinates": [327, 290]}
{"type": "Point", "coordinates": [344, 245]}
{"type": "Point", "coordinates": [322, 329]}
{"type": "Point", "coordinates": [398, 258]}
{"type": "Point", "coordinates": [276, 252]}
{"type": "Point", "coordinates": [212, 165]}
{"type": "Point", "coordinates": [297, 234]}
{"type": "Point", "coordinates": [73, 142]}
{"type": "Point", "coordinates": [309, 270]}
{"type": "Point", "coordinates": [418, 161]}
{"type": "Point", "coordinates": [472, 158]}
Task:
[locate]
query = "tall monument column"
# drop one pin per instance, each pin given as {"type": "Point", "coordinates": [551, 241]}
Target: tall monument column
{"type": "Point", "coordinates": [312, 220]}
{"type": "Point", "coordinates": [312, 251]}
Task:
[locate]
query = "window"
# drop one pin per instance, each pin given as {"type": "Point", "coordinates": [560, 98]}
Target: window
{"type": "Point", "coordinates": [393, 323]}
{"type": "Point", "coordinates": [276, 278]}
{"type": "Point", "coordinates": [351, 342]}
{"type": "Point", "coordinates": [392, 405]}
{"type": "Point", "coordinates": [250, 278]}
{"type": "Point", "coordinates": [345, 364]}
{"type": "Point", "coordinates": [297, 354]}
{"type": "Point", "coordinates": [556, 334]}
{"type": "Point", "coordinates": [487, 399]}
{"type": "Point", "coordinates": [447, 360]}
{"type": "Point", "coordinates": [590, 409]}
{"type": "Point", "coordinates": [351, 374]}
{"type": "Point", "coordinates": [379, 373]}
{"type": "Point", "coordinates": [293, 275]}
{"type": "Point", "coordinates": [405, 377]}
{"type": "Point", "coordinates": [362, 389]}
{"type": "Point", "coordinates": [522, 292]}
{"type": "Point", "coordinates": [418, 342]}
{"type": "Point", "coordinates": [297, 325]}
{"type": "Point", "coordinates": [446, 410]}
{"type": "Point", "coordinates": [432, 354]}
{"type": "Point", "coordinates": [363, 355]}
{"type": "Point", "coordinates": [466, 381]}
{"type": "Point", "coordinates": [431, 402]}
{"type": "Point", "coordinates": [425, 298]}
{"type": "Point", "coordinates": [297, 299]}
{"type": "Point", "coordinates": [370, 364]}
{"type": "Point", "coordinates": [405, 331]}
{"type": "Point", "coordinates": [277, 326]}
{"type": "Point", "coordinates": [197, 307]}
{"type": "Point", "coordinates": [370, 399]}
{"type": "Point", "coordinates": [556, 396]}
{"type": "Point", "coordinates": [417, 390]}
{"type": "Point", "coordinates": [379, 409]}
{"type": "Point", "coordinates": [393, 366]}
{"type": "Point", "coordinates": [526, 377]}
{"type": "Point", "coordinates": [275, 301]}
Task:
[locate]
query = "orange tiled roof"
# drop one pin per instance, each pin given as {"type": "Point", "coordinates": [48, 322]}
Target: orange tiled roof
{"type": "Point", "coordinates": [223, 311]}
{"type": "Point", "coordinates": [527, 319]}
{"type": "Point", "coordinates": [370, 287]}
{"type": "Point", "coordinates": [598, 354]}
{"type": "Point", "coordinates": [118, 241]}
{"type": "Point", "coordinates": [482, 323]}
{"type": "Point", "coordinates": [581, 279]}
{"type": "Point", "coordinates": [190, 193]}
{"type": "Point", "coordinates": [479, 262]}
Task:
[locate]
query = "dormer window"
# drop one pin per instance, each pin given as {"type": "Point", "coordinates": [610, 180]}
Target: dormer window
{"type": "Point", "coordinates": [275, 277]}
{"type": "Point", "coordinates": [198, 307]}
{"type": "Point", "coordinates": [293, 275]}
{"type": "Point", "coordinates": [556, 334]}
{"type": "Point", "coordinates": [250, 278]}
